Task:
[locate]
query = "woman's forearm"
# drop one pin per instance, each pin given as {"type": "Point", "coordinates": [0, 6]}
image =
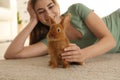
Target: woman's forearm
{"type": "Point", "coordinates": [101, 47]}
{"type": "Point", "coordinates": [18, 43]}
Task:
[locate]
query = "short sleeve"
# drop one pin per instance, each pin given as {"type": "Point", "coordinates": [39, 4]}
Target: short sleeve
{"type": "Point", "coordinates": [79, 9]}
{"type": "Point", "coordinates": [83, 11]}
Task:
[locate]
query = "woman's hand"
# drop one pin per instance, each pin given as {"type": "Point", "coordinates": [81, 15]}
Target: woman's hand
{"type": "Point", "coordinates": [73, 54]}
{"type": "Point", "coordinates": [31, 11]}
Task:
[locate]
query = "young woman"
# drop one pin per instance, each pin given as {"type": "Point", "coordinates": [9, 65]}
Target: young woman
{"type": "Point", "coordinates": [90, 35]}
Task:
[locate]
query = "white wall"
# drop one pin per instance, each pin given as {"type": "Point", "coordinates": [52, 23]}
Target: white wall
{"type": "Point", "coordinates": [101, 7]}
{"type": "Point", "coordinates": [22, 9]}
{"type": "Point", "coordinates": [8, 19]}
{"type": "Point", "coordinates": [13, 6]}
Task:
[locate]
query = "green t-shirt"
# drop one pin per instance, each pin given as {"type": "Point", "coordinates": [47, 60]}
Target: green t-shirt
{"type": "Point", "coordinates": [113, 23]}
{"type": "Point", "coordinates": [79, 13]}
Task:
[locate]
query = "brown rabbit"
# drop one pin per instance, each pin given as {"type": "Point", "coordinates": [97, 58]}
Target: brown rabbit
{"type": "Point", "coordinates": [57, 41]}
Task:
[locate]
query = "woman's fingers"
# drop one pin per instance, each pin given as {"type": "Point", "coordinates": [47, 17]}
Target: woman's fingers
{"type": "Point", "coordinates": [71, 47]}
{"type": "Point", "coordinates": [31, 11]}
{"type": "Point", "coordinates": [72, 53]}
{"type": "Point", "coordinates": [29, 5]}
{"type": "Point", "coordinates": [72, 58]}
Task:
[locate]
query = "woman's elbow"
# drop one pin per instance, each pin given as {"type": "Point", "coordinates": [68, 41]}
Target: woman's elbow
{"type": "Point", "coordinates": [7, 56]}
{"type": "Point", "coordinates": [10, 56]}
{"type": "Point", "coordinates": [114, 43]}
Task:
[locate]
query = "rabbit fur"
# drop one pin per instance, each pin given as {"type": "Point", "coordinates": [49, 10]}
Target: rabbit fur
{"type": "Point", "coordinates": [57, 41]}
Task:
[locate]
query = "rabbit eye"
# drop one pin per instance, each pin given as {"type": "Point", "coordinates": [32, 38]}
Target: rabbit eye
{"type": "Point", "coordinates": [58, 29]}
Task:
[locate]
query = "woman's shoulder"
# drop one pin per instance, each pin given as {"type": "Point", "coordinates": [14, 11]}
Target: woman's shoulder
{"type": "Point", "coordinates": [79, 9]}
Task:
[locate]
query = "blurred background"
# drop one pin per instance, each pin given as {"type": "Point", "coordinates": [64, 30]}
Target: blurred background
{"type": "Point", "coordinates": [14, 16]}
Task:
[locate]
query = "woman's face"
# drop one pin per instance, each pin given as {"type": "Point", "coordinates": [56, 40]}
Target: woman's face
{"type": "Point", "coordinates": [45, 8]}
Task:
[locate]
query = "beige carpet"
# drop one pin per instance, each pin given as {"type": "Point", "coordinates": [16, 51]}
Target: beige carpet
{"type": "Point", "coordinates": [105, 67]}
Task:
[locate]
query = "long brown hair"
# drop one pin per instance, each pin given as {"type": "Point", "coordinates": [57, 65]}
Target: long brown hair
{"type": "Point", "coordinates": [40, 31]}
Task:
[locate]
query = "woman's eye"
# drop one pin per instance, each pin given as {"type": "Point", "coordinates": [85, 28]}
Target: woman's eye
{"type": "Point", "coordinates": [51, 7]}
{"type": "Point", "coordinates": [41, 12]}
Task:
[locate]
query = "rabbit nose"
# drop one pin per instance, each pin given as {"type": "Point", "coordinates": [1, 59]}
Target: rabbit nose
{"type": "Point", "coordinates": [51, 36]}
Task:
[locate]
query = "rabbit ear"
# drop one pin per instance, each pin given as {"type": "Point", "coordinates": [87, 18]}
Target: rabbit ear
{"type": "Point", "coordinates": [66, 20]}
{"type": "Point", "coordinates": [51, 21]}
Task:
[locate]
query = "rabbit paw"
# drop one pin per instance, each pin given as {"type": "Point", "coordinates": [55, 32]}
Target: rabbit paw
{"type": "Point", "coordinates": [82, 63]}
{"type": "Point", "coordinates": [66, 64]}
{"type": "Point", "coordinates": [53, 64]}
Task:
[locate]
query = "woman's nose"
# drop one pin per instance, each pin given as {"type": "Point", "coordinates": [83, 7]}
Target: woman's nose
{"type": "Point", "coordinates": [49, 14]}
